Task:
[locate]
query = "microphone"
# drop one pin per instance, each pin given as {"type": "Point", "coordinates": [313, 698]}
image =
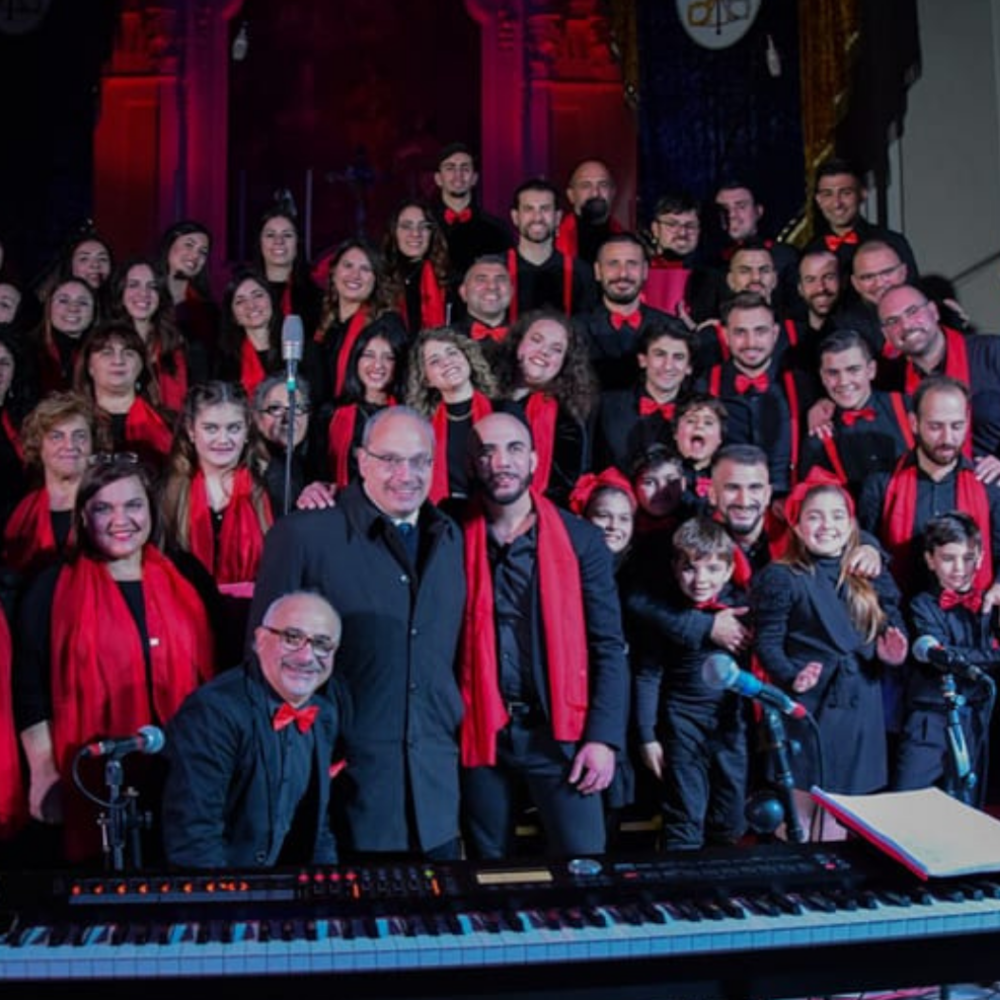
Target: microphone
{"type": "Point", "coordinates": [719, 671]}
{"type": "Point", "coordinates": [927, 649]}
{"type": "Point", "coordinates": [149, 739]}
{"type": "Point", "coordinates": [292, 340]}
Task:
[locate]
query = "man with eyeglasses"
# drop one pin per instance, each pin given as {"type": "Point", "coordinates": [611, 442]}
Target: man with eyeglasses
{"type": "Point", "coordinates": [391, 563]}
{"type": "Point", "coordinates": [251, 753]}
{"type": "Point", "coordinates": [541, 276]}
{"type": "Point", "coordinates": [912, 325]}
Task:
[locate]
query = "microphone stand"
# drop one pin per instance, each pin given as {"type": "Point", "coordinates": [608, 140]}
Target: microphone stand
{"type": "Point", "coordinates": [776, 743]}
{"type": "Point", "coordinates": [292, 384]}
{"type": "Point", "coordinates": [962, 779]}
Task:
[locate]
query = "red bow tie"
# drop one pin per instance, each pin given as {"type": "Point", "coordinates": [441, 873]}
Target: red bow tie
{"type": "Point", "coordinates": [745, 382]}
{"type": "Point", "coordinates": [302, 717]}
{"type": "Point", "coordinates": [480, 331]}
{"type": "Point", "coordinates": [451, 216]}
{"type": "Point", "coordinates": [851, 417]}
{"type": "Point", "coordinates": [648, 406]}
{"type": "Point", "coordinates": [971, 599]}
{"type": "Point", "coordinates": [834, 242]}
{"type": "Point", "coordinates": [702, 485]}
{"type": "Point", "coordinates": [633, 319]}
{"type": "Point", "coordinates": [714, 605]}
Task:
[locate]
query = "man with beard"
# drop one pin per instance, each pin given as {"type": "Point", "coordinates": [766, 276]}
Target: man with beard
{"type": "Point", "coordinates": [934, 477]}
{"type": "Point", "coordinates": [615, 326]}
{"type": "Point", "coordinates": [541, 276]}
{"type": "Point", "coordinates": [870, 429]}
{"type": "Point", "coordinates": [819, 289]}
{"type": "Point", "coordinates": [591, 194]}
{"type": "Point", "coordinates": [912, 325]}
{"type": "Point", "coordinates": [630, 420]}
{"type": "Point", "coordinates": [764, 400]}
{"type": "Point", "coordinates": [468, 231]}
{"type": "Point", "coordinates": [543, 668]}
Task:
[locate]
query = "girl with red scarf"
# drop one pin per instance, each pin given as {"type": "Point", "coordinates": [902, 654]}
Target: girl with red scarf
{"type": "Point", "coordinates": [110, 641]}
{"type": "Point", "coordinates": [416, 258]}
{"type": "Point", "coordinates": [374, 379]}
{"type": "Point", "coordinates": [250, 342]}
{"type": "Point", "coordinates": [450, 382]}
{"type": "Point", "coordinates": [58, 438]}
{"type": "Point", "coordinates": [139, 297]}
{"type": "Point", "coordinates": [358, 296]}
{"type": "Point", "coordinates": [113, 372]}
{"type": "Point", "coordinates": [544, 369]}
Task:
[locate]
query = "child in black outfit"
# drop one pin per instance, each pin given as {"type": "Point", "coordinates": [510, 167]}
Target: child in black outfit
{"type": "Point", "coordinates": [693, 737]}
{"type": "Point", "coordinates": [951, 612]}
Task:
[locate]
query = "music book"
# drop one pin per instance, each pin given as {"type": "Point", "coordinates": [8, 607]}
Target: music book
{"type": "Point", "coordinates": [933, 834]}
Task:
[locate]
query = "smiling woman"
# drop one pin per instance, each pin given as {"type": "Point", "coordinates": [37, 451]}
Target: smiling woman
{"type": "Point", "coordinates": [78, 680]}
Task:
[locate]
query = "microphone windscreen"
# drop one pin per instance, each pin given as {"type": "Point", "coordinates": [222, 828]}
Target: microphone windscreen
{"type": "Point", "coordinates": [923, 646]}
{"type": "Point", "coordinates": [292, 338]}
{"type": "Point", "coordinates": [154, 737]}
{"type": "Point", "coordinates": [719, 671]}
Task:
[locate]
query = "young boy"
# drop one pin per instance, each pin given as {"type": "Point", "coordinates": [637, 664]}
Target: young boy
{"type": "Point", "coordinates": [699, 428]}
{"type": "Point", "coordinates": [951, 612]}
{"type": "Point", "coordinates": [658, 482]}
{"type": "Point", "coordinates": [693, 737]}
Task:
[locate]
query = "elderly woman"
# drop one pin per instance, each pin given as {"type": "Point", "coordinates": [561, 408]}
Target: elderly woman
{"type": "Point", "coordinates": [76, 678]}
{"type": "Point", "coordinates": [58, 437]}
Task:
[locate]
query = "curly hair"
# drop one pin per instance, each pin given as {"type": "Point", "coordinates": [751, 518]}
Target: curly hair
{"type": "Point", "coordinates": [54, 409]}
{"type": "Point", "coordinates": [575, 386]}
{"type": "Point", "coordinates": [419, 394]}
{"type": "Point", "coordinates": [381, 300]}
{"type": "Point", "coordinates": [183, 463]}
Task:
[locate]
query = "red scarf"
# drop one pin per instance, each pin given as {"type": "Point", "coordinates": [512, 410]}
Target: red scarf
{"type": "Point", "coordinates": [29, 541]}
{"type": "Point", "coordinates": [251, 370]}
{"type": "Point", "coordinates": [99, 681]}
{"type": "Point", "coordinates": [357, 323]}
{"type": "Point", "coordinates": [564, 629]}
{"type": "Point", "coordinates": [173, 386]}
{"type": "Point", "coordinates": [432, 306]}
{"type": "Point", "coordinates": [481, 407]}
{"type": "Point", "coordinates": [340, 440]}
{"type": "Point", "coordinates": [13, 804]}
{"type": "Point", "coordinates": [541, 411]}
{"type": "Point", "coordinates": [241, 539]}
{"type": "Point", "coordinates": [12, 434]}
{"type": "Point", "coordinates": [146, 431]}
{"type": "Point", "coordinates": [899, 513]}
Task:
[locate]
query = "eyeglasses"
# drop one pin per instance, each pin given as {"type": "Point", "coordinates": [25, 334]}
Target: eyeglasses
{"type": "Point", "coordinates": [113, 458]}
{"type": "Point", "coordinates": [870, 277]}
{"type": "Point", "coordinates": [414, 227]}
{"type": "Point", "coordinates": [892, 322]}
{"type": "Point", "coordinates": [277, 411]}
{"type": "Point", "coordinates": [293, 639]}
{"type": "Point", "coordinates": [396, 463]}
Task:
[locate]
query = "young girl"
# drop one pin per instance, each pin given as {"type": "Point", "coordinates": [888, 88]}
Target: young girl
{"type": "Point", "coordinates": [821, 634]}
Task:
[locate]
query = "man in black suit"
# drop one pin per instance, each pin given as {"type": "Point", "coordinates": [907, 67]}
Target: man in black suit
{"type": "Point", "coordinates": [251, 753]}
{"type": "Point", "coordinates": [392, 565]}
{"type": "Point", "coordinates": [543, 667]}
